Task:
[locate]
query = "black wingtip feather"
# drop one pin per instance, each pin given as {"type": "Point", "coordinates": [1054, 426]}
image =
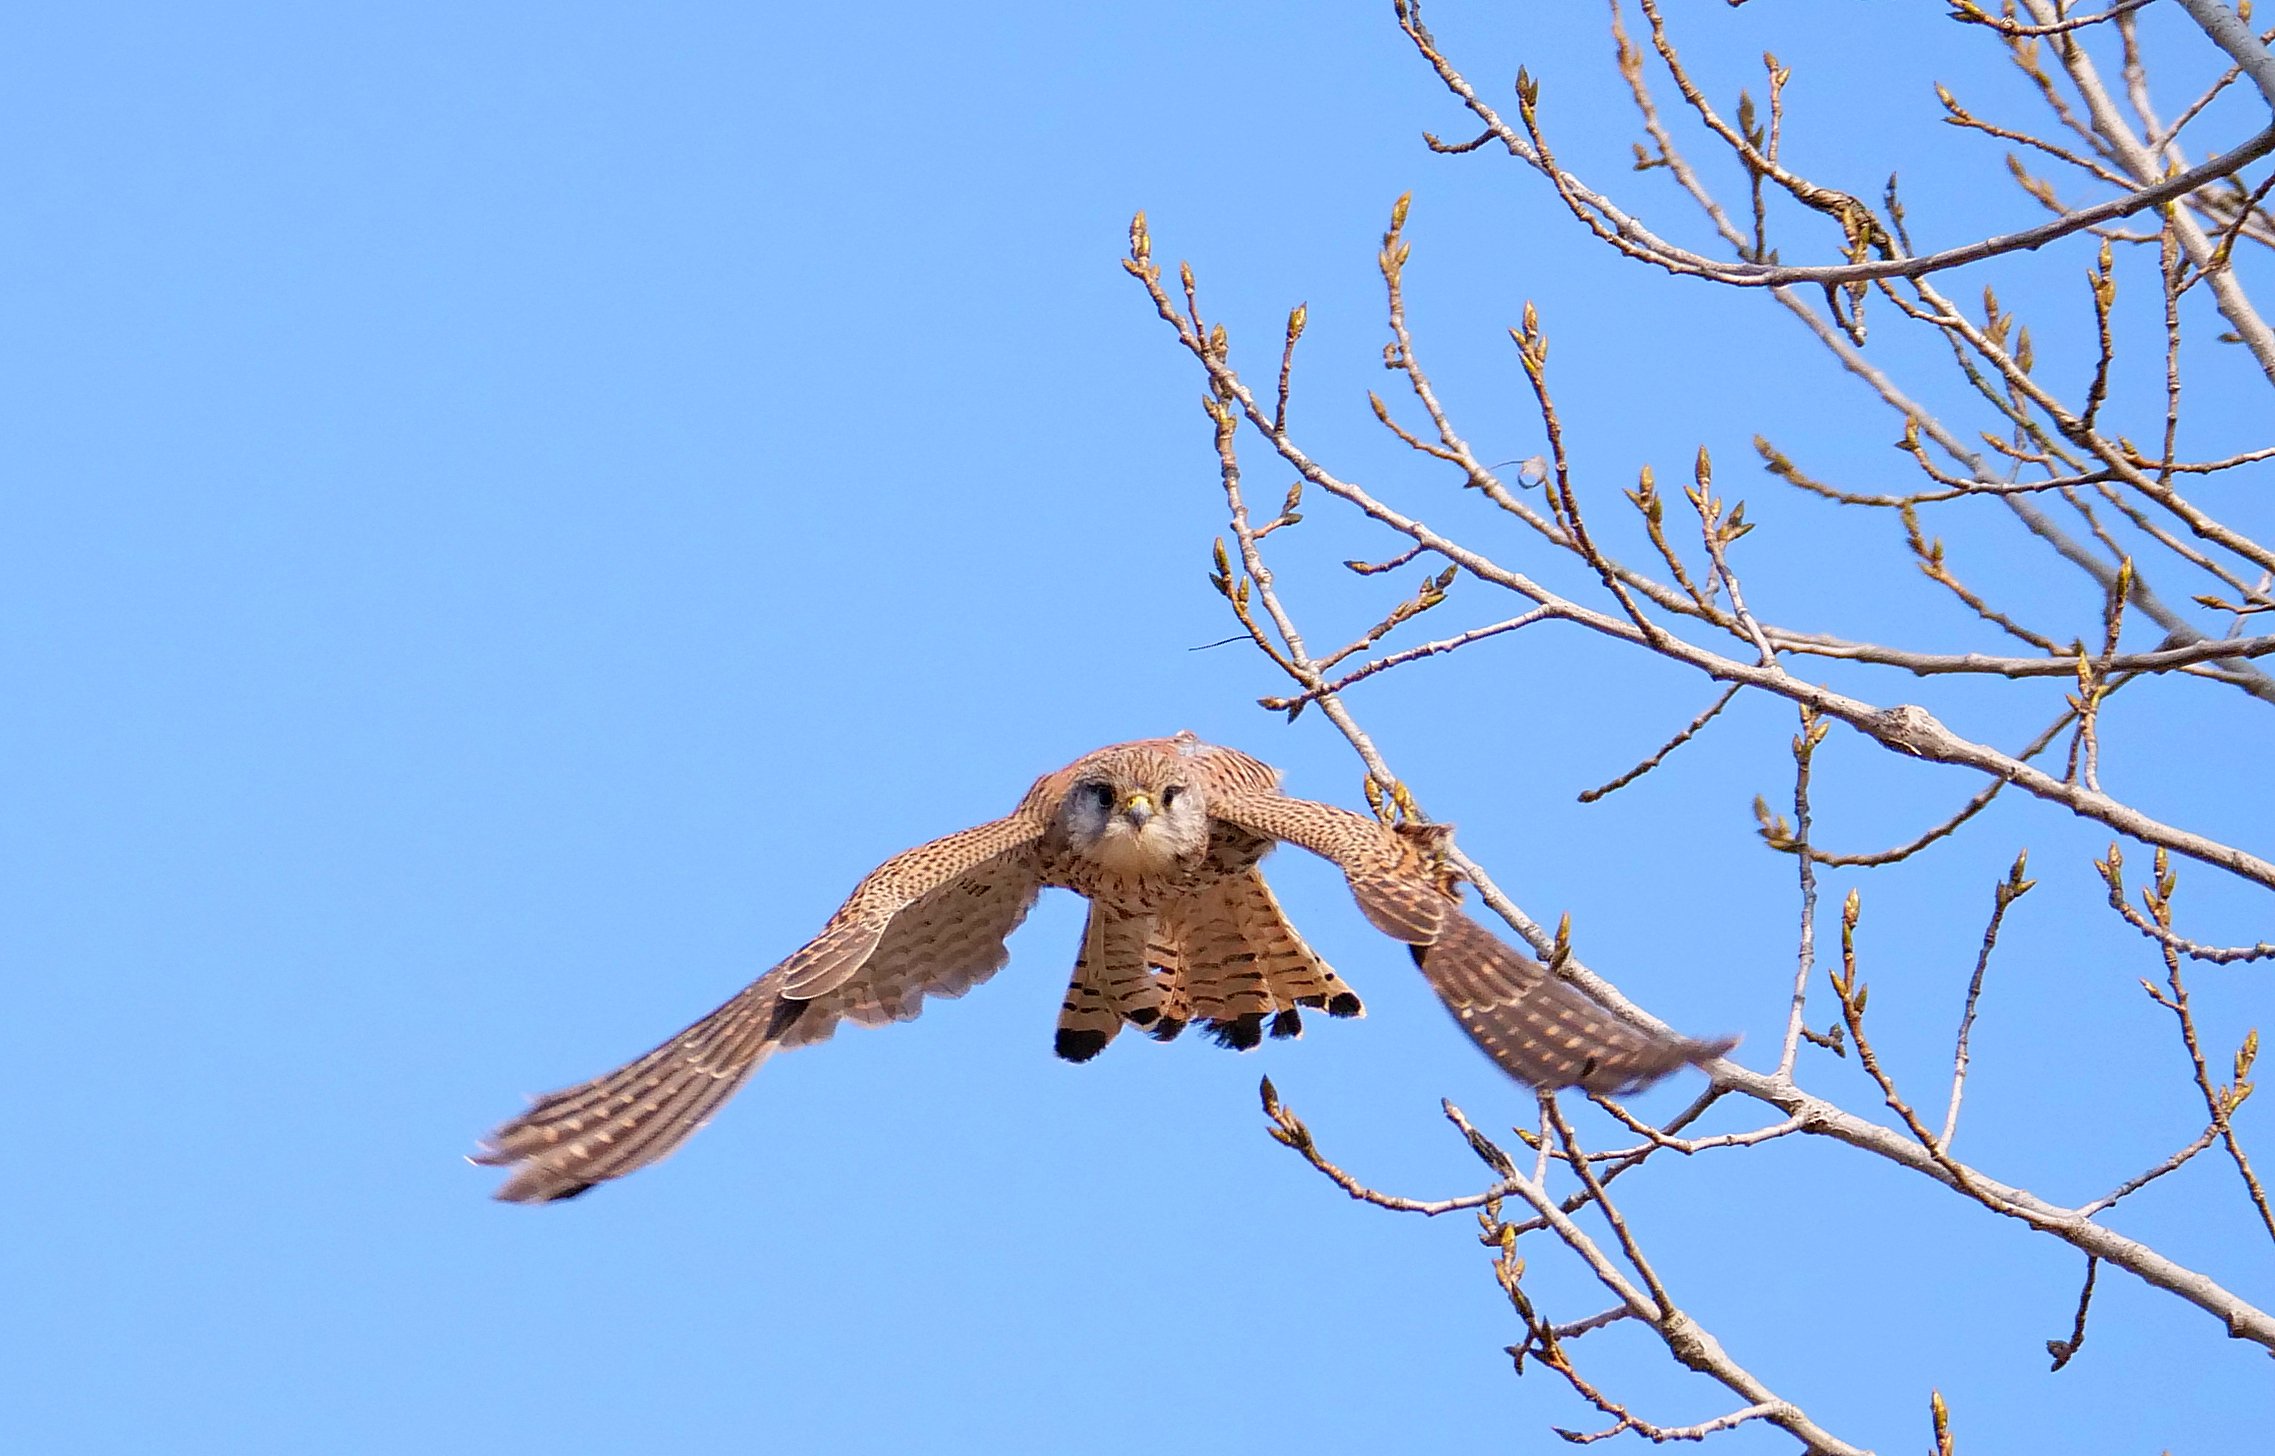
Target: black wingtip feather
{"type": "Point", "coordinates": [511, 1194]}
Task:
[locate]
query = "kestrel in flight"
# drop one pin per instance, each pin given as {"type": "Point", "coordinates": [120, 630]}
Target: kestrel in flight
{"type": "Point", "coordinates": [1164, 837]}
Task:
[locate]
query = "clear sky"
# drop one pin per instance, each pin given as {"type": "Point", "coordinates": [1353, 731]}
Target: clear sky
{"type": "Point", "coordinates": [512, 508]}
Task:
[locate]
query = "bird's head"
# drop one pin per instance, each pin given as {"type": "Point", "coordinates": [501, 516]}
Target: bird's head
{"type": "Point", "coordinates": [1136, 818]}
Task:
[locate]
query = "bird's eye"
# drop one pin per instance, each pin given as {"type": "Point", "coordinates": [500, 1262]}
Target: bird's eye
{"type": "Point", "coordinates": [1169, 795]}
{"type": "Point", "coordinates": [1103, 794]}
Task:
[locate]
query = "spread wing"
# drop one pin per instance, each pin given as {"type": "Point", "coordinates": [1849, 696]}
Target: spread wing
{"type": "Point", "coordinates": [928, 922]}
{"type": "Point", "coordinates": [1540, 1030]}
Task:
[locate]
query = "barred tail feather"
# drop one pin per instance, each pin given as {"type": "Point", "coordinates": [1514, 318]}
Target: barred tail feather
{"type": "Point", "coordinates": [1171, 1011]}
{"type": "Point", "coordinates": [1247, 970]}
{"type": "Point", "coordinates": [1112, 984]}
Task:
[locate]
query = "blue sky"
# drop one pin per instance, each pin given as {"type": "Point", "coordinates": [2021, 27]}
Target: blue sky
{"type": "Point", "coordinates": [515, 507]}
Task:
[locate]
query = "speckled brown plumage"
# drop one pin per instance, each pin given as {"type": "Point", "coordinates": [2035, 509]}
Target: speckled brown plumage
{"type": "Point", "coordinates": [1163, 836]}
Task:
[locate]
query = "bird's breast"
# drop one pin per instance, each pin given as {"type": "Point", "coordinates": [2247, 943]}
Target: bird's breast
{"type": "Point", "coordinates": [1131, 889]}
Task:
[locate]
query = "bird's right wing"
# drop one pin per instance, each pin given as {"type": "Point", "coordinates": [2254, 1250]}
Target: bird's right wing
{"type": "Point", "coordinates": [906, 881]}
{"type": "Point", "coordinates": [928, 922]}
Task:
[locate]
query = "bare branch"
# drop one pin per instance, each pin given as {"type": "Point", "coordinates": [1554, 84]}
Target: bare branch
{"type": "Point", "coordinates": [2043, 443]}
{"type": "Point", "coordinates": [1630, 236]}
{"type": "Point", "coordinates": [1973, 14]}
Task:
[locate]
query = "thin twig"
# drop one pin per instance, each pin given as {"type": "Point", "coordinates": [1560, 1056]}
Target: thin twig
{"type": "Point", "coordinates": [2009, 890]}
{"type": "Point", "coordinates": [2063, 1350]}
{"type": "Point", "coordinates": [1589, 796]}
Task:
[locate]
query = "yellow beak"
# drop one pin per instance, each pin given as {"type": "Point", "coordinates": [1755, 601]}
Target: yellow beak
{"type": "Point", "coordinates": [1137, 807]}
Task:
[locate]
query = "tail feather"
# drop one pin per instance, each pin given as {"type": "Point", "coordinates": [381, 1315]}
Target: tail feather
{"type": "Point", "coordinates": [1247, 969]}
{"type": "Point", "coordinates": [1165, 952]}
{"type": "Point", "coordinates": [1225, 957]}
{"type": "Point", "coordinates": [1112, 983]}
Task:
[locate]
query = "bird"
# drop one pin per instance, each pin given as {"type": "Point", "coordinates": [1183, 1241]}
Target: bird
{"type": "Point", "coordinates": [1165, 837]}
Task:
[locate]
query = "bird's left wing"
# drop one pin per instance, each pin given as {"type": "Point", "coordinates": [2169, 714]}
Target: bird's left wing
{"type": "Point", "coordinates": [927, 922]}
{"type": "Point", "coordinates": [1389, 872]}
{"type": "Point", "coordinates": [1541, 1030]}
